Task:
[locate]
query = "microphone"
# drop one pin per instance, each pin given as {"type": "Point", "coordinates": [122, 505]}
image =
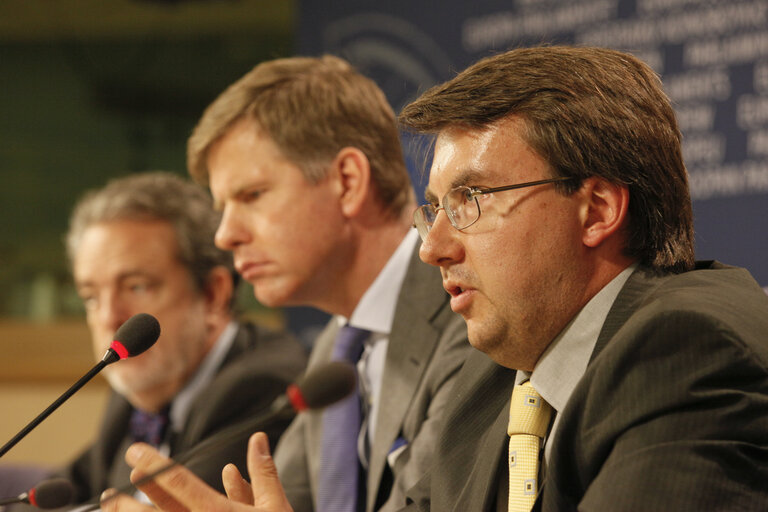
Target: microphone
{"type": "Point", "coordinates": [136, 335]}
{"type": "Point", "coordinates": [53, 493]}
{"type": "Point", "coordinates": [321, 387]}
{"type": "Point", "coordinates": [317, 389]}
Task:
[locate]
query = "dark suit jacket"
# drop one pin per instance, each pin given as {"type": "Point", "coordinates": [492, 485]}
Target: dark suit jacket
{"type": "Point", "coordinates": [427, 346]}
{"type": "Point", "coordinates": [257, 368]}
{"type": "Point", "coordinates": [671, 414]}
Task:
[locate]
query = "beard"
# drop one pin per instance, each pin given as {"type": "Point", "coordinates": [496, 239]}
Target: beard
{"type": "Point", "coordinates": [144, 376]}
{"type": "Point", "coordinates": [161, 372]}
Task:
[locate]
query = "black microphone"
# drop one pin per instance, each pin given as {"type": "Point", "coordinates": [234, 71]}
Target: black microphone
{"type": "Point", "coordinates": [317, 389]}
{"type": "Point", "coordinates": [136, 335]}
{"type": "Point", "coordinates": [53, 493]}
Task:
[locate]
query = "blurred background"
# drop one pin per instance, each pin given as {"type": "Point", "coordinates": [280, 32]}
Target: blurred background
{"type": "Point", "coordinates": [91, 90]}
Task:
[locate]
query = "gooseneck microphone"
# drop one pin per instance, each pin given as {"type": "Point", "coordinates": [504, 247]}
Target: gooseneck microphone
{"type": "Point", "coordinates": [53, 493]}
{"type": "Point", "coordinates": [320, 388]}
{"type": "Point", "coordinates": [317, 389]}
{"type": "Point", "coordinates": [136, 335]}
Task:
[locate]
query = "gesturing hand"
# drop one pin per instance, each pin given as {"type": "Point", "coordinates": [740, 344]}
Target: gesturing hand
{"type": "Point", "coordinates": [178, 489]}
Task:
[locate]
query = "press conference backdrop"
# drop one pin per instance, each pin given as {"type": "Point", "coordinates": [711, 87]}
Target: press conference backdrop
{"type": "Point", "coordinates": [711, 54]}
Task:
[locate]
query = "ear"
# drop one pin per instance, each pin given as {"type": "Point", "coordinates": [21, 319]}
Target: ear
{"type": "Point", "coordinates": [218, 291]}
{"type": "Point", "coordinates": [353, 170]}
{"type": "Point", "coordinates": [605, 210]}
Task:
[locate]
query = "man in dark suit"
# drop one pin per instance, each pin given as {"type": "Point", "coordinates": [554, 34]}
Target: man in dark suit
{"type": "Point", "coordinates": [144, 243]}
{"type": "Point", "coordinates": [303, 157]}
{"type": "Point", "coordinates": [561, 221]}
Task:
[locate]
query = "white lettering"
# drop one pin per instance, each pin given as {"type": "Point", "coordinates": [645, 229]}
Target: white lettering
{"type": "Point", "coordinates": [751, 111]}
{"type": "Point", "coordinates": [757, 143]}
{"type": "Point", "coordinates": [708, 84]}
{"type": "Point", "coordinates": [731, 50]}
{"type": "Point", "coordinates": [654, 6]}
{"type": "Point", "coordinates": [678, 26]}
{"type": "Point", "coordinates": [695, 117]}
{"type": "Point", "coordinates": [704, 148]}
{"type": "Point", "coordinates": [500, 29]}
{"type": "Point", "coordinates": [750, 177]}
{"type": "Point", "coordinates": [761, 77]}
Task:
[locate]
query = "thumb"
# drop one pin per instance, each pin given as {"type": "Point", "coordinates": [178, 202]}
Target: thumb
{"type": "Point", "coordinates": [267, 490]}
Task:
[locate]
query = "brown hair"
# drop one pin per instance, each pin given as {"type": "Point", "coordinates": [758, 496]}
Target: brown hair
{"type": "Point", "coordinates": [587, 112]}
{"type": "Point", "coordinates": [311, 108]}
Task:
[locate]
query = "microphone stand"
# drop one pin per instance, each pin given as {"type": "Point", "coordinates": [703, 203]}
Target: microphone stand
{"type": "Point", "coordinates": [280, 409]}
{"type": "Point", "coordinates": [55, 405]}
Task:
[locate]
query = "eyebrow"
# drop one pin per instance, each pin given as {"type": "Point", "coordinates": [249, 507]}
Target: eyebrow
{"type": "Point", "coordinates": [460, 180]}
{"type": "Point", "coordinates": [218, 204]}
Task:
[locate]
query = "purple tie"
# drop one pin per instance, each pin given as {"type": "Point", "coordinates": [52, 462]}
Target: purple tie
{"type": "Point", "coordinates": [339, 463]}
{"type": "Point", "coordinates": [149, 427]}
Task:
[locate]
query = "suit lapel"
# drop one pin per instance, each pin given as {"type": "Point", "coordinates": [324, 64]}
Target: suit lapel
{"type": "Point", "coordinates": [631, 295]}
{"type": "Point", "coordinates": [114, 439]}
{"type": "Point", "coordinates": [202, 412]}
{"type": "Point", "coordinates": [483, 482]}
{"type": "Point", "coordinates": [475, 436]}
{"type": "Point", "coordinates": [412, 340]}
{"type": "Point", "coordinates": [314, 429]}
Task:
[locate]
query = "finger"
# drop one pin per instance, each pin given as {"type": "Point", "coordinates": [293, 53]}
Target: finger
{"type": "Point", "coordinates": [236, 487]}
{"type": "Point", "coordinates": [175, 489]}
{"type": "Point", "coordinates": [111, 501]}
{"type": "Point", "coordinates": [267, 490]}
{"type": "Point", "coordinates": [156, 494]}
{"type": "Point", "coordinates": [150, 463]}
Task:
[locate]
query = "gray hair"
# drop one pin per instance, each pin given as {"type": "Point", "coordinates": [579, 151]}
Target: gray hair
{"type": "Point", "coordinates": [164, 196]}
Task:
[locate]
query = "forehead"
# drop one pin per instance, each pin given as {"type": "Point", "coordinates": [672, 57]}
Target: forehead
{"type": "Point", "coordinates": [495, 155]}
{"type": "Point", "coordinates": [244, 156]}
{"type": "Point", "coordinates": [107, 246]}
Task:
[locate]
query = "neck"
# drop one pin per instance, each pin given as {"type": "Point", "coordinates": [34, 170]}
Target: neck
{"type": "Point", "coordinates": [155, 399]}
{"type": "Point", "coordinates": [372, 249]}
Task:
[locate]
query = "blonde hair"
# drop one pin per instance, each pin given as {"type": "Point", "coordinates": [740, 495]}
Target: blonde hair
{"type": "Point", "coordinates": [311, 108]}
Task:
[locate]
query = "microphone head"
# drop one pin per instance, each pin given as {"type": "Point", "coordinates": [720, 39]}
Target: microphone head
{"type": "Point", "coordinates": [323, 386]}
{"type": "Point", "coordinates": [136, 335]}
{"type": "Point", "coordinates": [53, 493]}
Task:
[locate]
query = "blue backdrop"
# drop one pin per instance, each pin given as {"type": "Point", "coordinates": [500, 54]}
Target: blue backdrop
{"type": "Point", "coordinates": [712, 56]}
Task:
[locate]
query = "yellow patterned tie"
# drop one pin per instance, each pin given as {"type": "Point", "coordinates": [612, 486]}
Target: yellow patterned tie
{"type": "Point", "coordinates": [528, 422]}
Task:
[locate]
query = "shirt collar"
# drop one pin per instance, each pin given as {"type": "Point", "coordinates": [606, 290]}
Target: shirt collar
{"type": "Point", "coordinates": [376, 308]}
{"type": "Point", "coordinates": [564, 362]}
{"type": "Point", "coordinates": [183, 401]}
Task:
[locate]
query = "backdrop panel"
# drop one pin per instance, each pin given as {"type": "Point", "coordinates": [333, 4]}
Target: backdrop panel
{"type": "Point", "coordinates": [711, 54]}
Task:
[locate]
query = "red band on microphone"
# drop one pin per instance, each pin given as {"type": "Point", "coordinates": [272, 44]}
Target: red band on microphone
{"type": "Point", "coordinates": [32, 498]}
{"type": "Point", "coordinates": [294, 395]}
{"type": "Point", "coordinates": [120, 349]}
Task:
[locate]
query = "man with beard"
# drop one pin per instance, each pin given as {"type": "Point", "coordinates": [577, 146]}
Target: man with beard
{"type": "Point", "coordinates": [613, 371]}
{"type": "Point", "coordinates": [145, 244]}
{"type": "Point", "coordinates": [303, 157]}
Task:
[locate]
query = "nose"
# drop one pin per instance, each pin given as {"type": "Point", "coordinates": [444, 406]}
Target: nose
{"type": "Point", "coordinates": [441, 247]}
{"type": "Point", "coordinates": [112, 310]}
{"type": "Point", "coordinates": [230, 232]}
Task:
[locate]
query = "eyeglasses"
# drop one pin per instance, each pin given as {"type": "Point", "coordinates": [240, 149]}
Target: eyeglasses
{"type": "Point", "coordinates": [462, 207]}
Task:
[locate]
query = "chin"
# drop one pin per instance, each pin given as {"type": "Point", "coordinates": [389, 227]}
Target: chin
{"type": "Point", "coordinates": [480, 343]}
{"type": "Point", "coordinates": [277, 298]}
{"type": "Point", "coordinates": [129, 383]}
{"type": "Point", "coordinates": [490, 343]}
{"type": "Point", "coordinates": [270, 301]}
